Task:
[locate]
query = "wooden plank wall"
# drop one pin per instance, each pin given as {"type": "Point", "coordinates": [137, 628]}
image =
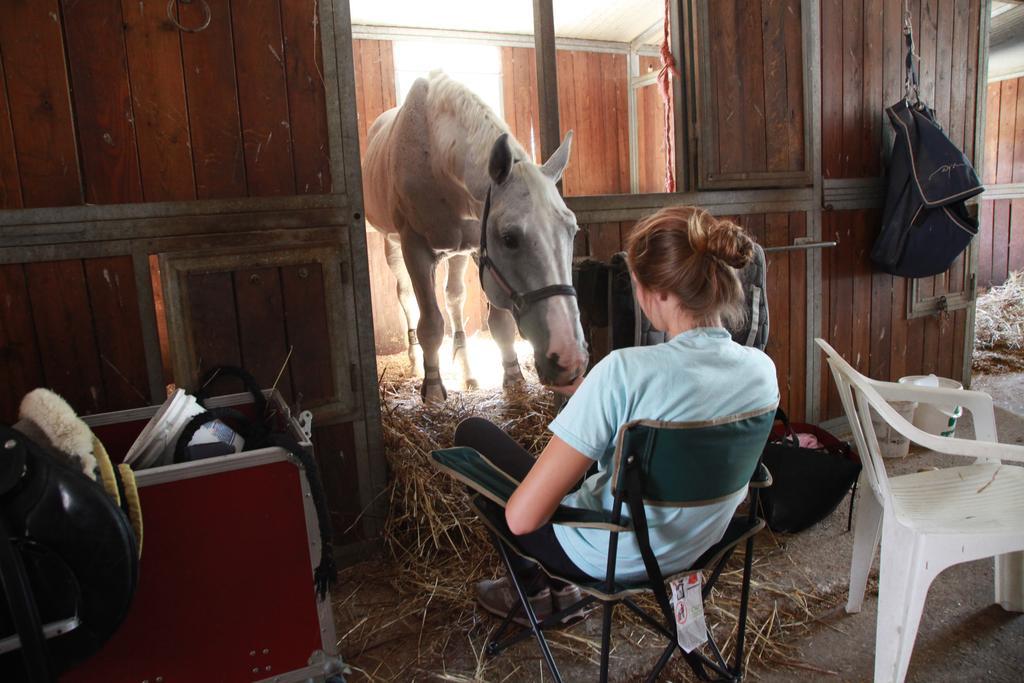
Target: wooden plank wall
{"type": "Point", "coordinates": [757, 99]}
{"type": "Point", "coordinates": [864, 312]}
{"type": "Point", "coordinates": [107, 103]}
{"type": "Point", "coordinates": [787, 292]}
{"type": "Point", "coordinates": [1001, 237]}
{"type": "Point", "coordinates": [592, 102]}
{"type": "Point", "coordinates": [73, 326]}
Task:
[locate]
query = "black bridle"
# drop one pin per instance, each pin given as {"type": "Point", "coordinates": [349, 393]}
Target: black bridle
{"type": "Point", "coordinates": [520, 302]}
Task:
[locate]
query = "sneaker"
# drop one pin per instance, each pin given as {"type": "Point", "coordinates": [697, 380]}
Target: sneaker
{"type": "Point", "coordinates": [499, 598]}
{"type": "Point", "coordinates": [565, 598]}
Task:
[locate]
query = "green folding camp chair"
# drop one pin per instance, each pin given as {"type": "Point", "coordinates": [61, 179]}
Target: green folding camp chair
{"type": "Point", "coordinates": [682, 464]}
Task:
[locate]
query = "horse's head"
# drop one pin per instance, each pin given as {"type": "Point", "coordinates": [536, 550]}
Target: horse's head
{"type": "Point", "coordinates": [526, 258]}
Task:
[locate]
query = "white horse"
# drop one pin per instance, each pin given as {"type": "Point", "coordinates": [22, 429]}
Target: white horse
{"type": "Point", "coordinates": [430, 168]}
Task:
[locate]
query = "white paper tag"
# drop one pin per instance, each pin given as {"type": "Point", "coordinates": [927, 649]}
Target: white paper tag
{"type": "Point", "coordinates": [688, 606]}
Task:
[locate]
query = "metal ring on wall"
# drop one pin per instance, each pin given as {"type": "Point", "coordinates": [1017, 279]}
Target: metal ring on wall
{"type": "Point", "coordinates": [174, 20]}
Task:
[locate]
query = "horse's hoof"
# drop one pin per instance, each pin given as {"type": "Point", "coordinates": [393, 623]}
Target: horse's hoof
{"type": "Point", "coordinates": [470, 384]}
{"type": "Point", "coordinates": [433, 394]}
{"type": "Point", "coordinates": [514, 382]}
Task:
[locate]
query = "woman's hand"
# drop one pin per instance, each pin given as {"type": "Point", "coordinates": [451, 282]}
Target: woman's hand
{"type": "Point", "coordinates": [568, 389]}
{"type": "Point", "coordinates": [554, 474]}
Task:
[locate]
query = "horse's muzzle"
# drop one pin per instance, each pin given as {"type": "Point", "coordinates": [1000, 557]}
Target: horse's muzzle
{"type": "Point", "coordinates": [556, 371]}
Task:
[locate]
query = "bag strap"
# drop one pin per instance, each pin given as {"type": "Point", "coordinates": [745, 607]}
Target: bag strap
{"type": "Point", "coordinates": [789, 435]}
{"type": "Point", "coordinates": [638, 515]}
{"type": "Point", "coordinates": [250, 383]}
{"type": "Point", "coordinates": [326, 573]}
{"type": "Point", "coordinates": [911, 83]}
{"type": "Point", "coordinates": [24, 612]}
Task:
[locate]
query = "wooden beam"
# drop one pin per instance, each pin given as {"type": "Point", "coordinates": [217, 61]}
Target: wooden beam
{"type": "Point", "coordinates": [547, 76]}
{"type": "Point", "coordinates": [971, 260]}
{"type": "Point", "coordinates": [367, 432]}
{"type": "Point", "coordinates": [811, 29]}
{"type": "Point", "coordinates": [71, 234]}
{"type": "Point", "coordinates": [613, 208]}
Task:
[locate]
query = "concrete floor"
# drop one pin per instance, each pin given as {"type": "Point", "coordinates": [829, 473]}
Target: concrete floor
{"type": "Point", "coordinates": [963, 636]}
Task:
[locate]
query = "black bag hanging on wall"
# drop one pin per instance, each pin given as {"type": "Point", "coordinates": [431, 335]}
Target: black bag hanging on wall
{"type": "Point", "coordinates": [925, 224]}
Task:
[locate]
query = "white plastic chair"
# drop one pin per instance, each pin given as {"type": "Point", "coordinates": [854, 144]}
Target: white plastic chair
{"type": "Point", "coordinates": [928, 520]}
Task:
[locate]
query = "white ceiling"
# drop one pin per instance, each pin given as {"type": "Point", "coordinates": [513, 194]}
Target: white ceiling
{"type": "Point", "coordinates": [607, 20]}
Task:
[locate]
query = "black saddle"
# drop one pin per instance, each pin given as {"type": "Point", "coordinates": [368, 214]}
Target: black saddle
{"type": "Point", "coordinates": [68, 562]}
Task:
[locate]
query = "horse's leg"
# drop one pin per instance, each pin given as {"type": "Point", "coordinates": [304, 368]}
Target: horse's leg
{"type": "Point", "coordinates": [406, 299]}
{"type": "Point", "coordinates": [455, 295]}
{"type": "Point", "coordinates": [421, 263]}
{"type": "Point", "coordinates": [503, 329]}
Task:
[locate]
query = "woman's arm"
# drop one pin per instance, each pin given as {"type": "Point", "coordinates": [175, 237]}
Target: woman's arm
{"type": "Point", "coordinates": [557, 469]}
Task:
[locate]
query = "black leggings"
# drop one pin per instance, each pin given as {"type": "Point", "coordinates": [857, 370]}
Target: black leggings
{"type": "Point", "coordinates": [498, 447]}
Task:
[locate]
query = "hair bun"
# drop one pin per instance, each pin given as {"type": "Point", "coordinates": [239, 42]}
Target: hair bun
{"type": "Point", "coordinates": [730, 244]}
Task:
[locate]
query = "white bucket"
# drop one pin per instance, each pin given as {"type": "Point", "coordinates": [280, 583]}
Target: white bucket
{"type": "Point", "coordinates": [935, 419]}
{"type": "Point", "coordinates": [892, 444]}
{"type": "Point", "coordinates": [155, 445]}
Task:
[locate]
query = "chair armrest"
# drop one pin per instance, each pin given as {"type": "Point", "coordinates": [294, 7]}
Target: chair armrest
{"type": "Point", "coordinates": [589, 519]}
{"type": "Point", "coordinates": [762, 478]}
{"type": "Point", "coordinates": [476, 472]}
{"type": "Point", "coordinates": [969, 448]}
{"type": "Point", "coordinates": [978, 402]}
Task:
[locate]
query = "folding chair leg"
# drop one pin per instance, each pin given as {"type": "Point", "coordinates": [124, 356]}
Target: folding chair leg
{"type": "Point", "coordinates": [741, 627]}
{"type": "Point", "coordinates": [1010, 581]}
{"type": "Point", "coordinates": [606, 639]}
{"type": "Point", "coordinates": [530, 615]}
{"type": "Point", "coordinates": [662, 661]}
{"type": "Point", "coordinates": [866, 532]}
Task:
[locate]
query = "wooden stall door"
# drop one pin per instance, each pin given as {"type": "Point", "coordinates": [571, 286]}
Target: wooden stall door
{"type": "Point", "coordinates": [752, 121]}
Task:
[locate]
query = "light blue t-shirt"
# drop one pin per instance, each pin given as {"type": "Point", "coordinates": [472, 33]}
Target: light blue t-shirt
{"type": "Point", "coordinates": [700, 374]}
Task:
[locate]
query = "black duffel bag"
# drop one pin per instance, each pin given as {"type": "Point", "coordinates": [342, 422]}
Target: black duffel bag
{"type": "Point", "coordinates": [807, 483]}
{"type": "Point", "coordinates": [925, 224]}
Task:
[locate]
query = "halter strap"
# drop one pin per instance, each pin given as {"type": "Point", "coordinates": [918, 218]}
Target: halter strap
{"type": "Point", "coordinates": [520, 301]}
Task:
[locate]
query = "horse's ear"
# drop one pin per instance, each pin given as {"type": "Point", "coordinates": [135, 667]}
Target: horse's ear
{"type": "Point", "coordinates": [501, 160]}
{"type": "Point", "coordinates": [555, 166]}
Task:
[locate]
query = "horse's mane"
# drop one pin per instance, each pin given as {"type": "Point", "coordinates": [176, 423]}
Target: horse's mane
{"type": "Point", "coordinates": [476, 127]}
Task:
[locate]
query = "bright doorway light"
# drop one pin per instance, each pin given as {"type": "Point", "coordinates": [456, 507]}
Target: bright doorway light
{"type": "Point", "coordinates": [477, 66]}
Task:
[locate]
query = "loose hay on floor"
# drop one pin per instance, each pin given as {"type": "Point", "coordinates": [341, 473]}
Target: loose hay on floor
{"type": "Point", "coordinates": [411, 615]}
{"type": "Point", "coordinates": [999, 327]}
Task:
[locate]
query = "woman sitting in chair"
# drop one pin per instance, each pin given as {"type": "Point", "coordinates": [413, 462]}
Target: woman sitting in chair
{"type": "Point", "coordinates": [683, 262]}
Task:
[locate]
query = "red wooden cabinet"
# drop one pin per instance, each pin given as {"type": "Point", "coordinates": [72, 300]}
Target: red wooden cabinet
{"type": "Point", "coordinates": [226, 577]}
